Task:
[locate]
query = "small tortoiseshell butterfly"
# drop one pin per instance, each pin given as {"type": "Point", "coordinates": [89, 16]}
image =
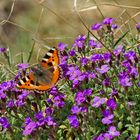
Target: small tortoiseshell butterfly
{"type": "Point", "coordinates": [43, 76]}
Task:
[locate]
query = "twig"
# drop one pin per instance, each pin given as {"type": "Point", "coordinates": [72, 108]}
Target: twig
{"type": "Point", "coordinates": [121, 6]}
{"type": "Point", "coordinates": [127, 21]}
{"type": "Point", "coordinates": [11, 11]}
{"type": "Point", "coordinates": [15, 24]}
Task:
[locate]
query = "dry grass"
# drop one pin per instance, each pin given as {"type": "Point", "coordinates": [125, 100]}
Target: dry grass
{"type": "Point", "coordinates": [50, 21]}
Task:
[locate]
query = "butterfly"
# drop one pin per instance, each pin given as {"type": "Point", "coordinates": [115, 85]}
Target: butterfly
{"type": "Point", "coordinates": [44, 75]}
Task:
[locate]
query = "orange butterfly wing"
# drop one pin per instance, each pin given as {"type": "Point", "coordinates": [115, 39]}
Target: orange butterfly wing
{"type": "Point", "coordinates": [45, 76]}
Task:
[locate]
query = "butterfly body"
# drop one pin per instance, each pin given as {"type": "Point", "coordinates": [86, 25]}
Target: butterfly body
{"type": "Point", "coordinates": [44, 75]}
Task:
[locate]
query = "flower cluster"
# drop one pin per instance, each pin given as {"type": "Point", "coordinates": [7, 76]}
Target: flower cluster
{"type": "Point", "coordinates": [31, 126]}
{"type": "Point", "coordinates": [45, 118]}
{"type": "Point", "coordinates": [106, 76]}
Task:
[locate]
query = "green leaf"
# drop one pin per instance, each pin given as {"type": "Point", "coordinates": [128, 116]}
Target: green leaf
{"type": "Point", "coordinates": [120, 125]}
{"type": "Point", "coordinates": [137, 130]}
{"type": "Point", "coordinates": [120, 39]}
{"type": "Point", "coordinates": [31, 52]}
{"type": "Point", "coordinates": [63, 126]}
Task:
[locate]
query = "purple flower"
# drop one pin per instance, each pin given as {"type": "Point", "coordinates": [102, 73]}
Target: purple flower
{"type": "Point", "coordinates": [75, 109]}
{"type": "Point", "coordinates": [111, 103]}
{"type": "Point", "coordinates": [4, 122]}
{"type": "Point", "coordinates": [23, 95]}
{"type": "Point", "coordinates": [58, 101]}
{"type": "Point", "coordinates": [62, 46]}
{"type": "Point", "coordinates": [7, 85]}
{"type": "Point", "coordinates": [79, 41]}
{"type": "Point", "coordinates": [108, 21]}
{"type": "Point", "coordinates": [101, 92]}
{"type": "Point", "coordinates": [29, 128]}
{"type": "Point", "coordinates": [87, 92]}
{"type": "Point", "coordinates": [63, 61]}
{"type": "Point", "coordinates": [20, 102]}
{"type": "Point", "coordinates": [99, 45]}
{"type": "Point", "coordinates": [138, 137]}
{"type": "Point", "coordinates": [80, 98]}
{"type": "Point", "coordinates": [100, 137]}
{"type": "Point", "coordinates": [72, 53]}
{"type": "Point", "coordinates": [22, 65]}
{"type": "Point", "coordinates": [113, 132]}
{"type": "Point", "coordinates": [76, 77]}
{"type": "Point", "coordinates": [107, 136]}
{"type": "Point", "coordinates": [92, 43]}
{"type": "Point", "coordinates": [10, 103]}
{"type": "Point", "coordinates": [39, 115]}
{"type": "Point", "coordinates": [73, 121]}
{"type": "Point", "coordinates": [40, 119]}
{"type": "Point", "coordinates": [82, 76]}
{"type": "Point", "coordinates": [125, 82]}
{"type": "Point", "coordinates": [132, 71]}
{"type": "Point", "coordinates": [91, 75]}
{"type": "Point", "coordinates": [126, 63]}
{"type": "Point", "coordinates": [49, 101]}
{"type": "Point", "coordinates": [107, 57]}
{"type": "Point", "coordinates": [2, 94]}
{"type": "Point", "coordinates": [84, 61]}
{"type": "Point", "coordinates": [114, 92]}
{"type": "Point", "coordinates": [96, 57]}
{"type": "Point", "coordinates": [123, 74]}
{"type": "Point", "coordinates": [54, 91]}
{"type": "Point", "coordinates": [72, 72]}
{"type": "Point", "coordinates": [96, 26]}
{"type": "Point", "coordinates": [106, 82]}
{"type": "Point", "coordinates": [114, 26]}
{"type": "Point", "coordinates": [84, 109]}
{"type": "Point", "coordinates": [50, 121]}
{"type": "Point", "coordinates": [138, 84]}
{"type": "Point", "coordinates": [49, 111]}
{"type": "Point", "coordinates": [27, 120]}
{"type": "Point", "coordinates": [131, 55]}
{"type": "Point", "coordinates": [108, 120]}
{"type": "Point", "coordinates": [97, 101]}
{"type": "Point", "coordinates": [118, 50]}
{"type": "Point", "coordinates": [3, 50]}
{"type": "Point", "coordinates": [103, 69]}
{"type": "Point", "coordinates": [106, 113]}
{"type": "Point", "coordinates": [138, 26]}
{"type": "Point", "coordinates": [21, 98]}
{"type": "Point", "coordinates": [124, 79]}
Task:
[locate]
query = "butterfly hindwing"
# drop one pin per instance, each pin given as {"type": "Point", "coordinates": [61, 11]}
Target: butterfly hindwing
{"type": "Point", "coordinates": [43, 76]}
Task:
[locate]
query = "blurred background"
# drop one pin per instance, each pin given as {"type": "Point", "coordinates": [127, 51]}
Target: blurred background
{"type": "Point", "coordinates": [54, 21]}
